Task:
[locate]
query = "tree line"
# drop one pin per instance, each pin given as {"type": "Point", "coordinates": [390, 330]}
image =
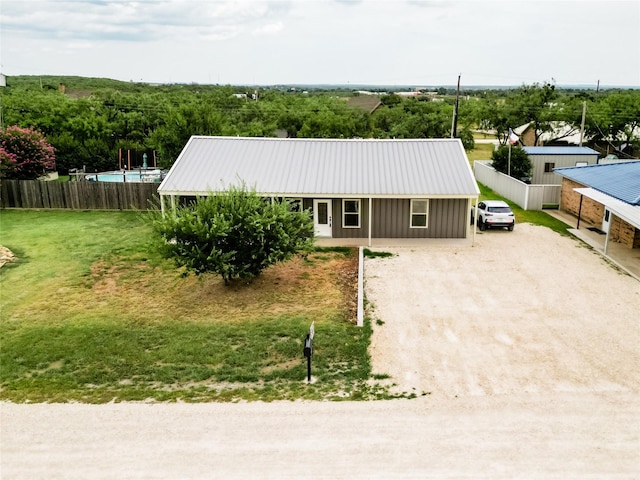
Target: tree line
{"type": "Point", "coordinates": [90, 121]}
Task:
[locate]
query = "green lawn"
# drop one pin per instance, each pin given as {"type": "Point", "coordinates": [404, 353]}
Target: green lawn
{"type": "Point", "coordinates": [482, 151]}
{"type": "Point", "coordinates": [91, 313]}
{"type": "Point", "coordinates": [538, 217]}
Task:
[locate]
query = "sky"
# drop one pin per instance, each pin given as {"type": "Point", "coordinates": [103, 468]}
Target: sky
{"type": "Point", "coordinates": [356, 42]}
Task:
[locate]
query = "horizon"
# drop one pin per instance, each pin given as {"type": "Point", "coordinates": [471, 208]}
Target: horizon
{"type": "Point", "coordinates": [329, 86]}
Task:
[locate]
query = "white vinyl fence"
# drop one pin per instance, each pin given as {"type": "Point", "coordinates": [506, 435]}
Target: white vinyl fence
{"type": "Point", "coordinates": [528, 197]}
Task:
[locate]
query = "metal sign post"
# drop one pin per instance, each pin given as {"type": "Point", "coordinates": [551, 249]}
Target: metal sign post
{"type": "Point", "coordinates": [308, 349]}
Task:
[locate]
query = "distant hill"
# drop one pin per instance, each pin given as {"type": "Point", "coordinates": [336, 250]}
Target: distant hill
{"type": "Point", "coordinates": [53, 82]}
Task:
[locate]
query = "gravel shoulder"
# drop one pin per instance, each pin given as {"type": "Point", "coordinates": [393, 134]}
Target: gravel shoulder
{"type": "Point", "coordinates": [525, 347]}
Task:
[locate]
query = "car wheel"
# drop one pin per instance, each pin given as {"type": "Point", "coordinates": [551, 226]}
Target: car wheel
{"type": "Point", "coordinates": [480, 225]}
{"type": "Point", "coordinates": [510, 227]}
{"type": "Point", "coordinates": [486, 226]}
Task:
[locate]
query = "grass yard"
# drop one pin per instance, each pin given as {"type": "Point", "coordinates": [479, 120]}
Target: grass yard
{"type": "Point", "coordinates": [481, 151]}
{"type": "Point", "coordinates": [91, 313]}
{"type": "Point", "coordinates": [537, 217]}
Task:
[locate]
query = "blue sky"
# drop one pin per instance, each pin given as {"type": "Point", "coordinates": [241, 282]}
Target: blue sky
{"type": "Point", "coordinates": [379, 42]}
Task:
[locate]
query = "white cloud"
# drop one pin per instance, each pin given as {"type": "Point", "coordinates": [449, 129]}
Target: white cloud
{"type": "Point", "coordinates": [268, 29]}
{"type": "Point", "coordinates": [425, 42]}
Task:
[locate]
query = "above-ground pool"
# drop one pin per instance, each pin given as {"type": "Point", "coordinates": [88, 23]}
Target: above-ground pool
{"type": "Point", "coordinates": [133, 176]}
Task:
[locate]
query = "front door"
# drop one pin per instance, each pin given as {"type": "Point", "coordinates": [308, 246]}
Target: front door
{"type": "Point", "coordinates": [322, 218]}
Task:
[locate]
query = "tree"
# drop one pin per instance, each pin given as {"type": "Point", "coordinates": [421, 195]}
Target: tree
{"type": "Point", "coordinates": [535, 104]}
{"type": "Point", "coordinates": [613, 122]}
{"type": "Point", "coordinates": [26, 155]}
{"type": "Point", "coordinates": [519, 165]}
{"type": "Point", "coordinates": [235, 234]}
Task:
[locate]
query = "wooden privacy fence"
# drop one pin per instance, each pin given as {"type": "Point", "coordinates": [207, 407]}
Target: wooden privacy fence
{"type": "Point", "coordinates": [77, 195]}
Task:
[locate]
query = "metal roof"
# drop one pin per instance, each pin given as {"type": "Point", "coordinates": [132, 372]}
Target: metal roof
{"type": "Point", "coordinates": [618, 180]}
{"type": "Point", "coordinates": [629, 213]}
{"type": "Point", "coordinates": [560, 151]}
{"type": "Point", "coordinates": [323, 167]}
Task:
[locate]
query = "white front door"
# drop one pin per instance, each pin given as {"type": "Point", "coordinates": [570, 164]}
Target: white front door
{"type": "Point", "coordinates": [322, 218]}
{"type": "Point", "coordinates": [606, 220]}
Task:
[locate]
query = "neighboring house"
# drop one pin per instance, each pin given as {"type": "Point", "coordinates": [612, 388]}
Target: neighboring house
{"type": "Point", "coordinates": [363, 189]}
{"type": "Point", "coordinates": [368, 103]}
{"type": "Point", "coordinates": [546, 159]}
{"type": "Point", "coordinates": [561, 134]}
{"type": "Point", "coordinates": [3, 80]}
{"type": "Point", "coordinates": [606, 196]}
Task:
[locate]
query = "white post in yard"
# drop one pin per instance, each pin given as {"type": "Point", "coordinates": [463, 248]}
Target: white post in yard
{"type": "Point", "coordinates": [360, 287]}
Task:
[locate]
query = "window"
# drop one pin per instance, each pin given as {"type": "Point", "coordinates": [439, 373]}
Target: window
{"type": "Point", "coordinates": [419, 213]}
{"type": "Point", "coordinates": [350, 213]}
{"type": "Point", "coordinates": [548, 167]}
{"type": "Point", "coordinates": [295, 204]}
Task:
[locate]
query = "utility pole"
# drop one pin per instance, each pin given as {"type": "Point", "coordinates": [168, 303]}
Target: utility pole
{"type": "Point", "coordinates": [454, 125]}
{"type": "Point", "coordinates": [584, 114]}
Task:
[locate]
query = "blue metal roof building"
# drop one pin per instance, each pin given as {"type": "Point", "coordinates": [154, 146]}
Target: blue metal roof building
{"type": "Point", "coordinates": [545, 159]}
{"type": "Point", "coordinates": [560, 151]}
{"type": "Point", "coordinates": [618, 180]}
{"type": "Point", "coordinates": [612, 191]}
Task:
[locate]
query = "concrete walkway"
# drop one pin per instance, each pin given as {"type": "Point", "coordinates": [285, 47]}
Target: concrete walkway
{"type": "Point", "coordinates": [628, 259]}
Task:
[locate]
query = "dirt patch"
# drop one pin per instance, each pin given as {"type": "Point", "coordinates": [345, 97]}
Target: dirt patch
{"type": "Point", "coordinates": [6, 256]}
{"type": "Point", "coordinates": [323, 282]}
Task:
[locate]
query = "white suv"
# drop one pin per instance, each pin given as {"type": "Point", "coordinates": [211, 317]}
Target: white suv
{"type": "Point", "coordinates": [495, 213]}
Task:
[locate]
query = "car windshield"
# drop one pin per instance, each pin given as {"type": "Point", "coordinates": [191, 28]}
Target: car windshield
{"type": "Point", "coordinates": [499, 209]}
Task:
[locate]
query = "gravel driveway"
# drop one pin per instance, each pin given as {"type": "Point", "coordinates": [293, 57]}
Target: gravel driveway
{"type": "Point", "coordinates": [526, 343]}
{"type": "Point", "coordinates": [526, 311]}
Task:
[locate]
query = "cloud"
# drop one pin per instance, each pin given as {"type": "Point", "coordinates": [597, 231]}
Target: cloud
{"type": "Point", "coordinates": [112, 20]}
{"type": "Point", "coordinates": [268, 29]}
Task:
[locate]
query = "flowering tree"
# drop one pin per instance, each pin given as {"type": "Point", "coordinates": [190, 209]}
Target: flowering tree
{"type": "Point", "coordinates": [24, 154]}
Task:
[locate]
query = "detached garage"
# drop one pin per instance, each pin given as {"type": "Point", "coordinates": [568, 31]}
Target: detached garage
{"type": "Point", "coordinates": [546, 159]}
{"type": "Point", "coordinates": [361, 189]}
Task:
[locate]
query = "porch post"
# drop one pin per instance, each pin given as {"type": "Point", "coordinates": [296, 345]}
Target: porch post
{"type": "Point", "coordinates": [579, 212]}
{"type": "Point", "coordinates": [474, 222]}
{"type": "Point", "coordinates": [606, 239]}
{"type": "Point", "coordinates": [370, 218]}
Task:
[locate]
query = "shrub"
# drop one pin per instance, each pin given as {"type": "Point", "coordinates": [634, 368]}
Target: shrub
{"type": "Point", "coordinates": [235, 234]}
{"type": "Point", "coordinates": [24, 154]}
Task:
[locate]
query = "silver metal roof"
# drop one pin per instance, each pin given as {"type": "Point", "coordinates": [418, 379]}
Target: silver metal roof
{"type": "Point", "coordinates": [323, 167]}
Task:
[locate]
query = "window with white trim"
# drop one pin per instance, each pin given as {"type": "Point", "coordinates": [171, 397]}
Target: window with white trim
{"type": "Point", "coordinates": [350, 213]}
{"type": "Point", "coordinates": [419, 213]}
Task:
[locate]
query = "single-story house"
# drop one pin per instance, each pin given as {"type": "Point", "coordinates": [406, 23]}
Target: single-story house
{"type": "Point", "coordinates": [546, 159]}
{"type": "Point", "coordinates": [606, 196]}
{"type": "Point", "coordinates": [355, 188]}
{"type": "Point", "coordinates": [560, 134]}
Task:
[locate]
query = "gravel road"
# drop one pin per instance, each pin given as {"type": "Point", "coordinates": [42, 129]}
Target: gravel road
{"type": "Point", "coordinates": [523, 351]}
